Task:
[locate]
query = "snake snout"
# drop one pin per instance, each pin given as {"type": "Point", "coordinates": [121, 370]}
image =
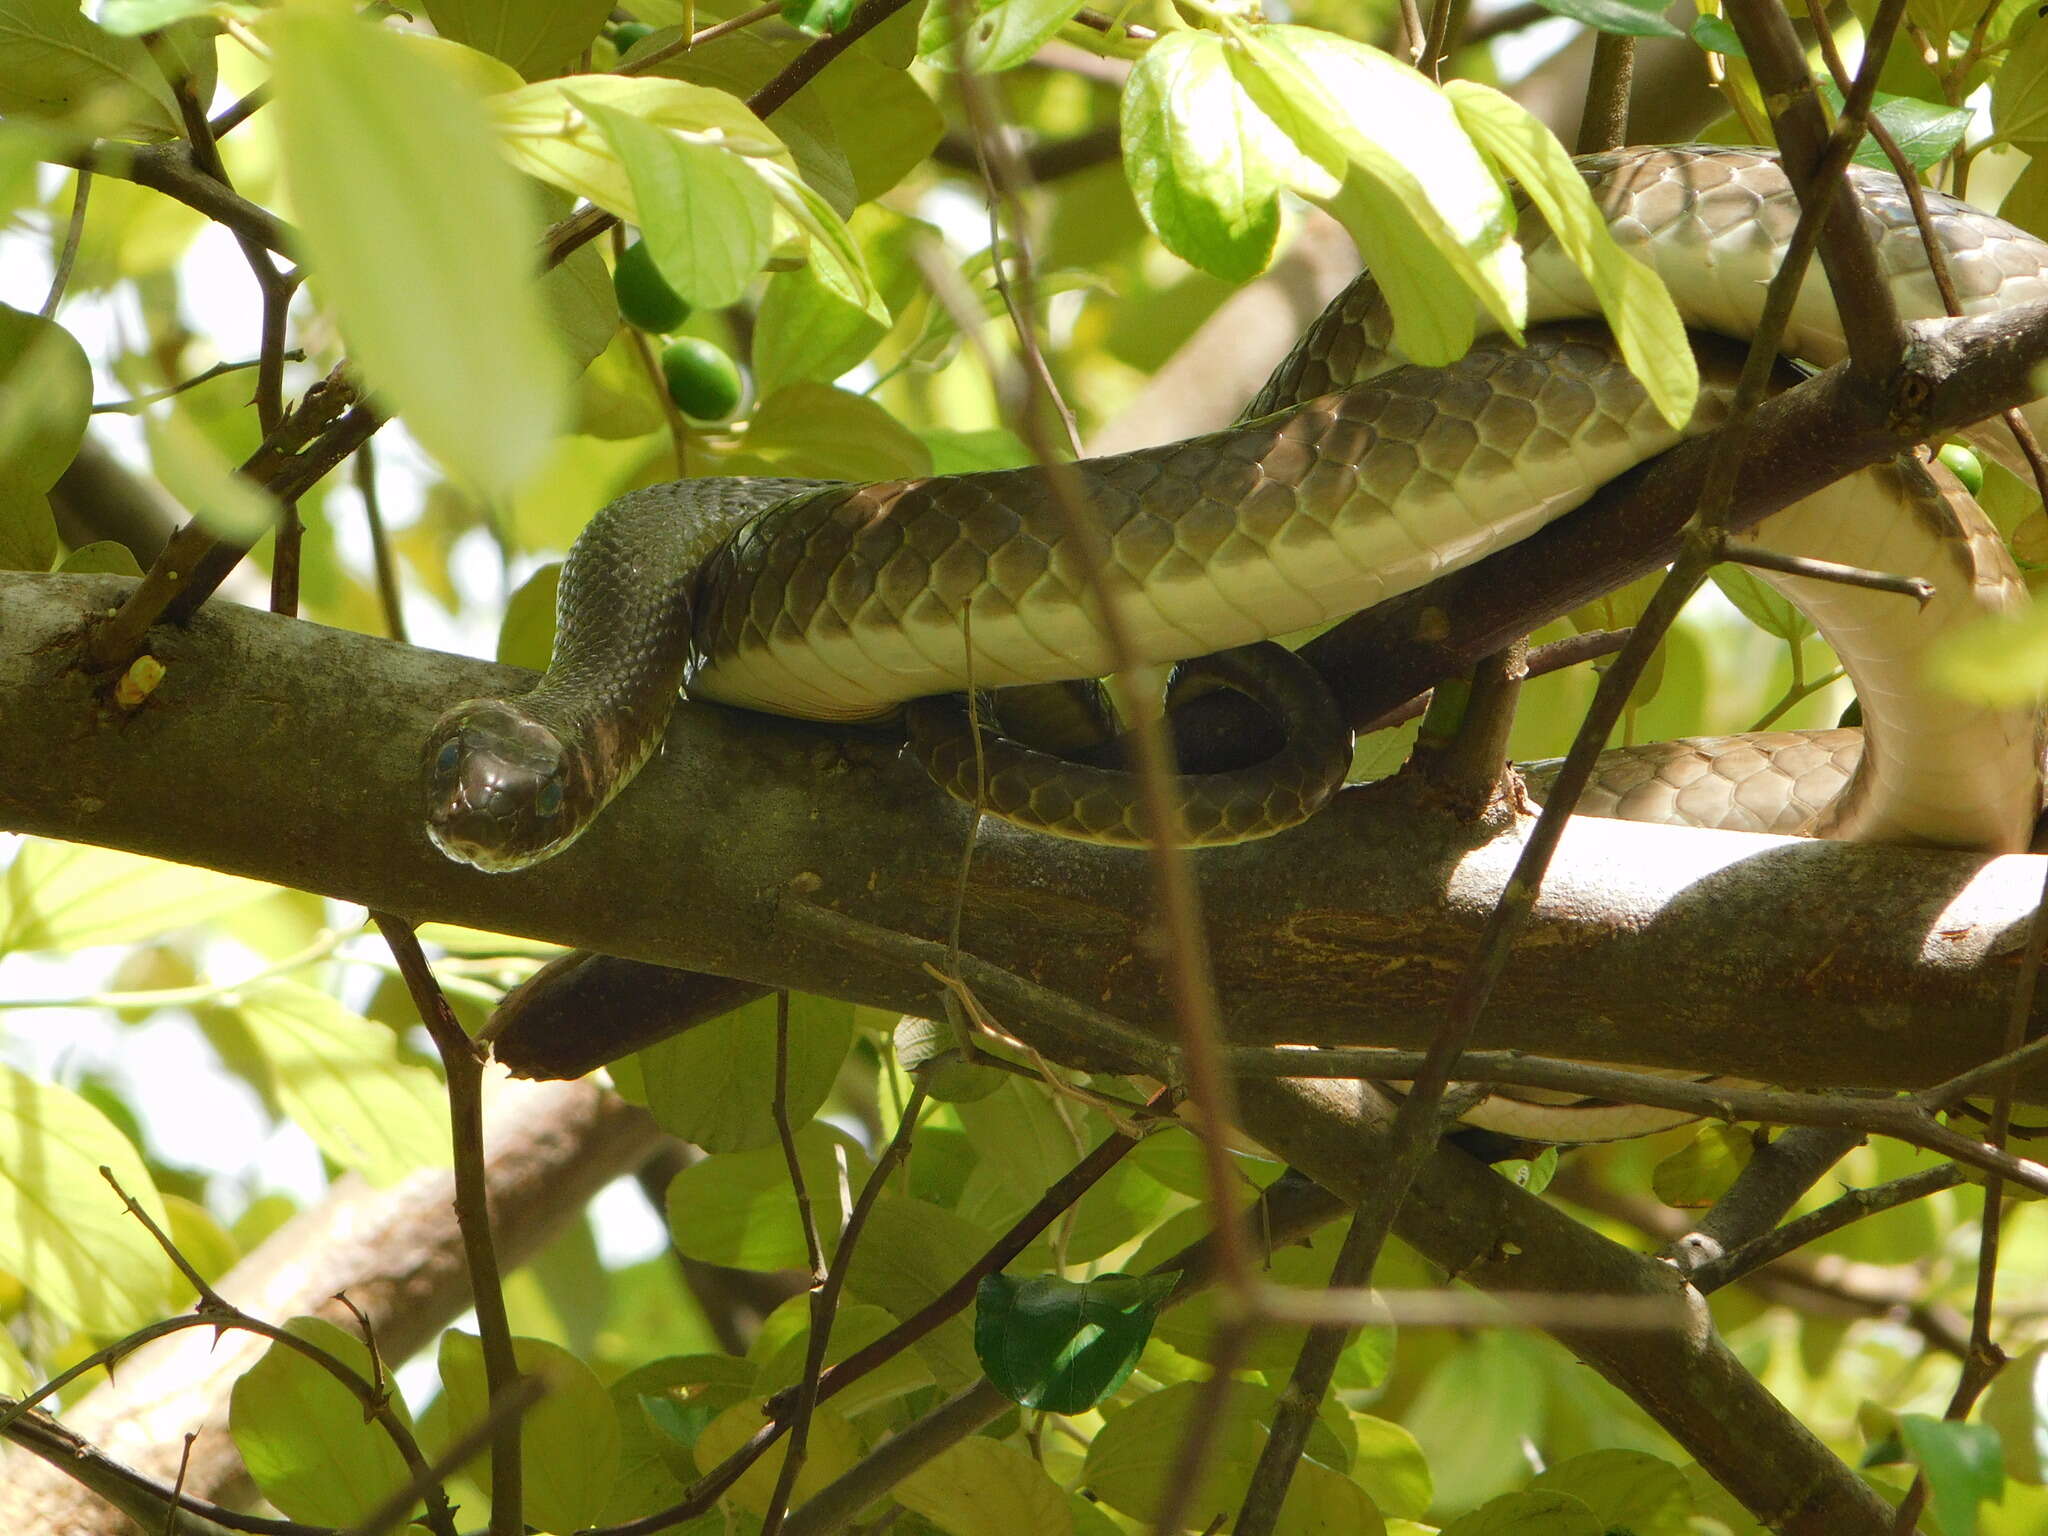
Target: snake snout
{"type": "Point", "coordinates": [498, 787]}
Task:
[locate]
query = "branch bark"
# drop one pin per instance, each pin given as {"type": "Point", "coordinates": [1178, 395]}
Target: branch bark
{"type": "Point", "coordinates": [1803, 964]}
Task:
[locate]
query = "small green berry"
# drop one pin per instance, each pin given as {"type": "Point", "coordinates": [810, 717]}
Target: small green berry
{"type": "Point", "coordinates": [627, 33]}
{"type": "Point", "coordinates": [1964, 465]}
{"type": "Point", "coordinates": [702, 380]}
{"type": "Point", "coordinates": [645, 298]}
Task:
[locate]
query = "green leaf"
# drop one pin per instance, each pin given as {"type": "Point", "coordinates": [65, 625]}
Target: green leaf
{"type": "Point", "coordinates": [1925, 131]}
{"type": "Point", "coordinates": [102, 557]}
{"type": "Point", "coordinates": [1626, 1490]}
{"type": "Point", "coordinates": [45, 399]}
{"type": "Point", "coordinates": [67, 895]}
{"type": "Point", "coordinates": [714, 1084]}
{"type": "Point", "coordinates": [207, 1245]}
{"type": "Point", "coordinates": [581, 308]}
{"type": "Point", "coordinates": [983, 1487]}
{"type": "Point", "coordinates": [854, 1327]}
{"type": "Point", "coordinates": [705, 216]}
{"type": "Point", "coordinates": [55, 63]}
{"type": "Point", "coordinates": [536, 37]}
{"type": "Point", "coordinates": [63, 1231]}
{"type": "Point", "coordinates": [2017, 1407]}
{"type": "Point", "coordinates": [547, 131]}
{"type": "Point", "coordinates": [1699, 1173]}
{"type": "Point", "coordinates": [1531, 1173]}
{"type": "Point", "coordinates": [1528, 1514]}
{"type": "Point", "coordinates": [339, 1077]}
{"type": "Point", "coordinates": [132, 18]}
{"type": "Point", "coordinates": [195, 470]}
{"type": "Point", "coordinates": [16, 1379]}
{"type": "Point", "coordinates": [1133, 1454]}
{"type": "Point", "coordinates": [1473, 1415]}
{"type": "Point", "coordinates": [568, 1441]}
{"type": "Point", "coordinates": [910, 1253]}
{"type": "Point", "coordinates": [1633, 299]}
{"type": "Point", "coordinates": [1364, 125]}
{"type": "Point", "coordinates": [1964, 1467]}
{"type": "Point", "coordinates": [807, 331]}
{"type": "Point", "coordinates": [1200, 157]}
{"type": "Point", "coordinates": [28, 529]}
{"type": "Point", "coordinates": [426, 261]}
{"type": "Point", "coordinates": [1064, 1345]}
{"type": "Point", "coordinates": [816, 430]}
{"type": "Point", "coordinates": [2001, 660]}
{"type": "Point", "coordinates": [1389, 1465]}
{"type": "Point", "coordinates": [1000, 34]}
{"type": "Point", "coordinates": [304, 1436]}
{"type": "Point", "coordinates": [1629, 18]}
{"type": "Point", "coordinates": [737, 1208]}
{"type": "Point", "coordinates": [1715, 35]}
{"type": "Point", "coordinates": [817, 16]}
{"type": "Point", "coordinates": [526, 638]}
{"type": "Point", "coordinates": [1759, 602]}
{"type": "Point", "coordinates": [2019, 91]}
{"type": "Point", "coordinates": [835, 258]}
{"type": "Point", "coordinates": [833, 1449]}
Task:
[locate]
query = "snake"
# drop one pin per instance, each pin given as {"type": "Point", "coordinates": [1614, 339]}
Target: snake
{"type": "Point", "coordinates": [1353, 476]}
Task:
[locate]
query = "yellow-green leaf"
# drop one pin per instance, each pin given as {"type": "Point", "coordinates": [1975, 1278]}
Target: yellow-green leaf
{"type": "Point", "coordinates": [536, 37]}
{"type": "Point", "coordinates": [420, 242]}
{"type": "Point", "coordinates": [53, 63]}
{"type": "Point", "coordinates": [304, 1436]}
{"type": "Point", "coordinates": [714, 1085]}
{"type": "Point", "coordinates": [1633, 298]}
{"type": "Point", "coordinates": [817, 430]}
{"type": "Point", "coordinates": [568, 1441]}
{"type": "Point", "coordinates": [67, 895]}
{"type": "Point", "coordinates": [983, 1487]}
{"type": "Point", "coordinates": [64, 1233]}
{"type": "Point", "coordinates": [45, 398]}
{"type": "Point", "coordinates": [1365, 127]}
{"type": "Point", "coordinates": [339, 1077]}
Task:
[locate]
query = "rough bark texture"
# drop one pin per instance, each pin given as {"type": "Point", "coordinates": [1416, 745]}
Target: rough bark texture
{"type": "Point", "coordinates": [1805, 964]}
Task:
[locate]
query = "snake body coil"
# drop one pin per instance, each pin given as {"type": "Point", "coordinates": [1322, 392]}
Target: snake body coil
{"type": "Point", "coordinates": [1358, 478]}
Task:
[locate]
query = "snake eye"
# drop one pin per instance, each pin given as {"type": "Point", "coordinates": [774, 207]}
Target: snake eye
{"type": "Point", "coordinates": [549, 800]}
{"type": "Point", "coordinates": [446, 759]}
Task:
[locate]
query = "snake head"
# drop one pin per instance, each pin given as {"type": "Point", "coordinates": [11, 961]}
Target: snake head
{"type": "Point", "coordinates": [502, 790]}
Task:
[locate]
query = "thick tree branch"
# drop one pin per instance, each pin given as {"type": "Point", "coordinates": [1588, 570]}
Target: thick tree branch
{"type": "Point", "coordinates": [1803, 964]}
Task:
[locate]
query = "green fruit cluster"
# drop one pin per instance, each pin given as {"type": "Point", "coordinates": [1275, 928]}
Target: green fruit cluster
{"type": "Point", "coordinates": [702, 380]}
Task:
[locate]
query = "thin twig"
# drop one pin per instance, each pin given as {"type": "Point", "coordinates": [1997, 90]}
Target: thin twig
{"type": "Point", "coordinates": [825, 1308]}
{"type": "Point", "coordinates": [74, 231]}
{"type": "Point", "coordinates": [1740, 552]}
{"type": "Point", "coordinates": [698, 39]}
{"type": "Point", "coordinates": [463, 1065]}
{"type": "Point", "coordinates": [1770, 1184]}
{"type": "Point", "coordinates": [136, 405]}
{"type": "Point", "coordinates": [1552, 657]}
{"type": "Point", "coordinates": [1853, 1206]}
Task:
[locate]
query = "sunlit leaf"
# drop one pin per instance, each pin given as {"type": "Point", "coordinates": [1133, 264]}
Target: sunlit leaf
{"type": "Point", "coordinates": [1633, 299]}
{"type": "Point", "coordinates": [983, 1487]}
{"type": "Point", "coordinates": [1528, 1514]}
{"type": "Point", "coordinates": [1365, 127]}
{"type": "Point", "coordinates": [737, 1208]}
{"type": "Point", "coordinates": [1925, 131]}
{"type": "Point", "coordinates": [833, 1448]}
{"type": "Point", "coordinates": [304, 1436]}
{"type": "Point", "coordinates": [2017, 1407]}
{"type": "Point", "coordinates": [999, 35]}
{"type": "Point", "coordinates": [568, 1441]}
{"type": "Point", "coordinates": [816, 430]}
{"type": "Point", "coordinates": [1200, 158]}
{"type": "Point", "coordinates": [67, 895]}
{"type": "Point", "coordinates": [102, 557]}
{"type": "Point", "coordinates": [536, 37]}
{"type": "Point", "coordinates": [15, 1376]}
{"type": "Point", "coordinates": [713, 1085]}
{"type": "Point", "coordinates": [1132, 1457]}
{"type": "Point", "coordinates": [63, 1231]}
{"type": "Point", "coordinates": [193, 469]}
{"type": "Point", "coordinates": [1760, 603]}
{"type": "Point", "coordinates": [1699, 1173]}
{"type": "Point", "coordinates": [339, 1077]}
{"type": "Point", "coordinates": [45, 398]}
{"type": "Point", "coordinates": [526, 636]}
{"type": "Point", "coordinates": [53, 62]}
{"type": "Point", "coordinates": [1626, 1490]}
{"type": "Point", "coordinates": [427, 261]}
{"type": "Point", "coordinates": [910, 1252]}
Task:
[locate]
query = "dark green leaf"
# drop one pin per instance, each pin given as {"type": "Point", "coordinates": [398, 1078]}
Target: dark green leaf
{"type": "Point", "coordinates": [1925, 131]}
{"type": "Point", "coordinates": [1716, 36]}
{"type": "Point", "coordinates": [1062, 1346]}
